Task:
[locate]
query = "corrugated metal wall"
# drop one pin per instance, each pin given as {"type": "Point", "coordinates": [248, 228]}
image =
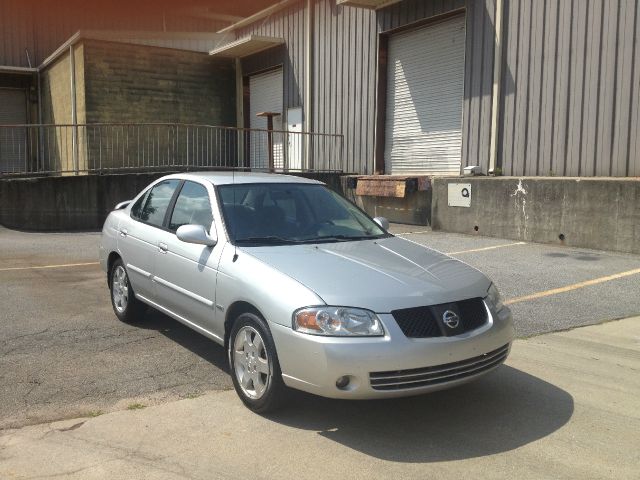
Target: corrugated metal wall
{"type": "Point", "coordinates": [288, 24]}
{"type": "Point", "coordinates": [344, 80]}
{"type": "Point", "coordinates": [478, 83]}
{"type": "Point", "coordinates": [571, 88]}
{"type": "Point", "coordinates": [410, 11]}
{"type": "Point", "coordinates": [344, 65]}
{"type": "Point", "coordinates": [41, 27]}
{"type": "Point", "coordinates": [570, 85]}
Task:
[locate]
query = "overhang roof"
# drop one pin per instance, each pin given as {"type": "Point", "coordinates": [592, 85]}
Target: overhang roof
{"type": "Point", "coordinates": [246, 46]}
{"type": "Point", "coordinates": [375, 4]}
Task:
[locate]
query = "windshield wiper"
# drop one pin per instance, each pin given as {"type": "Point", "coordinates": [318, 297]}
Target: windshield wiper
{"type": "Point", "coordinates": [269, 240]}
{"type": "Point", "coordinates": [339, 238]}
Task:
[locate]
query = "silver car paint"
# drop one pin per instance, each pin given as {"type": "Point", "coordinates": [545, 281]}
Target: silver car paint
{"type": "Point", "coordinates": [380, 275]}
{"type": "Point", "coordinates": [197, 285]}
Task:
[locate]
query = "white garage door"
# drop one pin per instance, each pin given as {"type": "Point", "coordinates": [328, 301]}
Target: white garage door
{"type": "Point", "coordinates": [13, 141]}
{"type": "Point", "coordinates": [423, 131]}
{"type": "Point", "coordinates": [266, 95]}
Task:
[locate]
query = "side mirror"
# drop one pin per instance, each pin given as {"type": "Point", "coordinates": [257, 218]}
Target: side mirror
{"type": "Point", "coordinates": [196, 234]}
{"type": "Point", "coordinates": [382, 222]}
{"type": "Point", "coordinates": [122, 205]}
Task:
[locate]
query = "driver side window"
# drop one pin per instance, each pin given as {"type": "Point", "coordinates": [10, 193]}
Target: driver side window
{"type": "Point", "coordinates": [193, 207]}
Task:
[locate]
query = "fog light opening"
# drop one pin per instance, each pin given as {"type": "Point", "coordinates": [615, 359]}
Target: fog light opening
{"type": "Point", "coordinates": [343, 382]}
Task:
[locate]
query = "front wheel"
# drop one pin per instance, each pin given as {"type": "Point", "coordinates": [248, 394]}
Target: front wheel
{"type": "Point", "coordinates": [254, 364]}
{"type": "Point", "coordinates": [125, 304]}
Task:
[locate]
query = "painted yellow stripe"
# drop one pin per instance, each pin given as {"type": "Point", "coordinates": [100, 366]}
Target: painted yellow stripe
{"type": "Point", "coordinates": [38, 267]}
{"type": "Point", "coordinates": [487, 248]}
{"type": "Point", "coordinates": [575, 286]}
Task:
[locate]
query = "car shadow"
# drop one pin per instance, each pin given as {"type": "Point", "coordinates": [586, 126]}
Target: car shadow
{"type": "Point", "coordinates": [502, 411]}
{"type": "Point", "coordinates": [193, 341]}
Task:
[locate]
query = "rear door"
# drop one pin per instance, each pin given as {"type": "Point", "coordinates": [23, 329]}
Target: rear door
{"type": "Point", "coordinates": [140, 233]}
{"type": "Point", "coordinates": [185, 272]}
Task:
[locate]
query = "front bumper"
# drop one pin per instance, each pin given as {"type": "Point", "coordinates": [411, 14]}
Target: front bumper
{"type": "Point", "coordinates": [314, 363]}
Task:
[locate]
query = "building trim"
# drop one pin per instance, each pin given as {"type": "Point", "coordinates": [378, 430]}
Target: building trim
{"type": "Point", "coordinates": [246, 46]}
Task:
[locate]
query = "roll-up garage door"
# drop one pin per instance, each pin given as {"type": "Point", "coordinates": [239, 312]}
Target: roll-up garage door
{"type": "Point", "coordinates": [13, 141]}
{"type": "Point", "coordinates": [266, 95]}
{"type": "Point", "coordinates": [423, 131]}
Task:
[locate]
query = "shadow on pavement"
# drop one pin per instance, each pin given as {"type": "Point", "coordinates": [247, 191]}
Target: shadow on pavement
{"type": "Point", "coordinates": [500, 412]}
{"type": "Point", "coordinates": [193, 341]}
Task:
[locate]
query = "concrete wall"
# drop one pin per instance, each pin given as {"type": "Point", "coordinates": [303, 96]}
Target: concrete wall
{"type": "Point", "coordinates": [593, 213]}
{"type": "Point", "coordinates": [79, 203]}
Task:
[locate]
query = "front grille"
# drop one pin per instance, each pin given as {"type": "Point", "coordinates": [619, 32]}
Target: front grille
{"type": "Point", "coordinates": [424, 377]}
{"type": "Point", "coordinates": [424, 322]}
{"type": "Point", "coordinates": [417, 322]}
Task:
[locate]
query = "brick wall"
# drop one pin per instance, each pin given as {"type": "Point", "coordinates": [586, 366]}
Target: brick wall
{"type": "Point", "coordinates": [132, 83]}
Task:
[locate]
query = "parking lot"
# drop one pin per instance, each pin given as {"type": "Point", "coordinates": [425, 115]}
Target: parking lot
{"type": "Point", "coordinates": [63, 354]}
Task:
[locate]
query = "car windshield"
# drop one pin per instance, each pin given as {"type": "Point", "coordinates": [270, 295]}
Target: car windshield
{"type": "Point", "coordinates": [281, 214]}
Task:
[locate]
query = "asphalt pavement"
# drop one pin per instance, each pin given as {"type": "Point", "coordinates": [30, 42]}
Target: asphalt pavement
{"type": "Point", "coordinates": [565, 406]}
{"type": "Point", "coordinates": [63, 354]}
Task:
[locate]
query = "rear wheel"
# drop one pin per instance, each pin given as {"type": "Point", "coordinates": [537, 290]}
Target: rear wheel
{"type": "Point", "coordinates": [254, 364]}
{"type": "Point", "coordinates": [125, 304]}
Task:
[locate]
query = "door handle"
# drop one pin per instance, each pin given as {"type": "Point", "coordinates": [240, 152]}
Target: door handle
{"type": "Point", "coordinates": [124, 232]}
{"type": "Point", "coordinates": [163, 247]}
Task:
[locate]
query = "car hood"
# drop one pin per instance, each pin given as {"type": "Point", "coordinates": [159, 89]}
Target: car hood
{"type": "Point", "coordinates": [380, 275]}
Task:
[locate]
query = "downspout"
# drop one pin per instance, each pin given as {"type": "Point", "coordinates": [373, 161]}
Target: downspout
{"type": "Point", "coordinates": [40, 160]}
{"type": "Point", "coordinates": [240, 113]}
{"type": "Point", "coordinates": [74, 109]}
{"type": "Point", "coordinates": [308, 85]}
{"type": "Point", "coordinates": [497, 74]}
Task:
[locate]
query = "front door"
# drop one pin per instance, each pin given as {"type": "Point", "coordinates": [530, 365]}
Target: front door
{"type": "Point", "coordinates": [186, 273]}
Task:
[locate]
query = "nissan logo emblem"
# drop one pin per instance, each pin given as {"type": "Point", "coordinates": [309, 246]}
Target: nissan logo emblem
{"type": "Point", "coordinates": [451, 319]}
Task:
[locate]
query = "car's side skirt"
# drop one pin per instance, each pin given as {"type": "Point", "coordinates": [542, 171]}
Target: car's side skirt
{"type": "Point", "coordinates": [182, 320]}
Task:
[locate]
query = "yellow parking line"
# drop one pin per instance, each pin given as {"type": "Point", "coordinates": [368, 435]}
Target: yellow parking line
{"type": "Point", "coordinates": [575, 286]}
{"type": "Point", "coordinates": [49, 266]}
{"type": "Point", "coordinates": [487, 248]}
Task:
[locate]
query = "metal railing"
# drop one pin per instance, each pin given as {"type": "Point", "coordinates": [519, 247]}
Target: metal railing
{"type": "Point", "coordinates": [102, 148]}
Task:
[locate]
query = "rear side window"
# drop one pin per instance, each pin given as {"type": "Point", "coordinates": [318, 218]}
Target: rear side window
{"type": "Point", "coordinates": [157, 202]}
{"type": "Point", "coordinates": [193, 207]}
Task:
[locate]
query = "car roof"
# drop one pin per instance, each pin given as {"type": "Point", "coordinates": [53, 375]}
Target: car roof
{"type": "Point", "coordinates": [228, 178]}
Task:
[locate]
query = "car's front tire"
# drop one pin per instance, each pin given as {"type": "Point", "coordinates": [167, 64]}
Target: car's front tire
{"type": "Point", "coordinates": [254, 364]}
{"type": "Point", "coordinates": [124, 302]}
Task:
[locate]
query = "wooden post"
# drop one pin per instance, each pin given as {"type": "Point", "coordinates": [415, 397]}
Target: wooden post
{"type": "Point", "coordinates": [269, 116]}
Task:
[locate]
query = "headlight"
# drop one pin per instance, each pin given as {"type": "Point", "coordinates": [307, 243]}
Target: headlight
{"type": "Point", "coordinates": [494, 298]}
{"type": "Point", "coordinates": [337, 322]}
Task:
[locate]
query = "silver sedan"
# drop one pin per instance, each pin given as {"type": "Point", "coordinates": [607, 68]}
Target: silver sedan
{"type": "Point", "coordinates": [302, 288]}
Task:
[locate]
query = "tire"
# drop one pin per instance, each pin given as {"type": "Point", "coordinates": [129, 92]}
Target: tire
{"type": "Point", "coordinates": [255, 369]}
{"type": "Point", "coordinates": [123, 300]}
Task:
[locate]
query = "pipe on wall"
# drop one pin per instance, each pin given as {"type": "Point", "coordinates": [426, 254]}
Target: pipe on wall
{"type": "Point", "coordinates": [74, 108]}
{"type": "Point", "coordinates": [240, 111]}
{"type": "Point", "coordinates": [497, 74]}
{"type": "Point", "coordinates": [308, 82]}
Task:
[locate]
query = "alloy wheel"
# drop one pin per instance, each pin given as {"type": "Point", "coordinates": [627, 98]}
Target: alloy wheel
{"type": "Point", "coordinates": [251, 362]}
{"type": "Point", "coordinates": [120, 289]}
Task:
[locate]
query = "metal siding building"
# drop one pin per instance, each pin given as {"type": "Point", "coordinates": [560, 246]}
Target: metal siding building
{"type": "Point", "coordinates": [569, 80]}
{"type": "Point", "coordinates": [571, 86]}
